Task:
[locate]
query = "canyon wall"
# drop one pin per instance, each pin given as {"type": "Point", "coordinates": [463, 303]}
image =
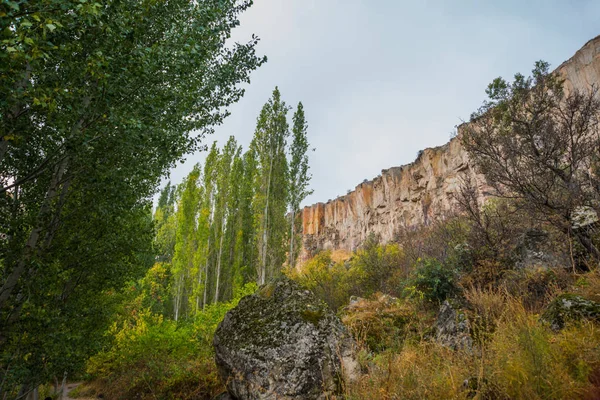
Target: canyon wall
{"type": "Point", "coordinates": [415, 193]}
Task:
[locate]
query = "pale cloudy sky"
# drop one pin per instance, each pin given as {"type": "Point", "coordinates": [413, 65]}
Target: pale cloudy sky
{"type": "Point", "coordinates": [382, 79]}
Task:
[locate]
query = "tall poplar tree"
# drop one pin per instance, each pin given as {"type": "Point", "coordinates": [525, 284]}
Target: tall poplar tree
{"type": "Point", "coordinates": [299, 176]}
{"type": "Point", "coordinates": [186, 243]}
{"type": "Point", "coordinates": [269, 142]}
{"type": "Point", "coordinates": [246, 253]}
{"type": "Point", "coordinates": [206, 219]}
{"type": "Point", "coordinates": [222, 201]}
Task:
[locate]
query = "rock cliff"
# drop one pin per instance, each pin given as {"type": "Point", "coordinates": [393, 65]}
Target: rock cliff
{"type": "Point", "coordinates": [415, 193]}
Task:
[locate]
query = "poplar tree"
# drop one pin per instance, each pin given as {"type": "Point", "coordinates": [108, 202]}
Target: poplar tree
{"type": "Point", "coordinates": [233, 231]}
{"type": "Point", "coordinates": [299, 176]}
{"type": "Point", "coordinates": [246, 253]}
{"type": "Point", "coordinates": [206, 218]}
{"type": "Point", "coordinates": [269, 142]}
{"type": "Point", "coordinates": [221, 206]}
{"type": "Point", "coordinates": [186, 243]}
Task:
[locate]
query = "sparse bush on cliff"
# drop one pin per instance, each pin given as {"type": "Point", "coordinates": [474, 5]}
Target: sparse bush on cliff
{"type": "Point", "coordinates": [538, 145]}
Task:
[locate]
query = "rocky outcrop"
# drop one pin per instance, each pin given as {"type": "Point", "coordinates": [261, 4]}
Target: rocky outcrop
{"type": "Point", "coordinates": [401, 196]}
{"type": "Point", "coordinates": [452, 327]}
{"type": "Point", "coordinates": [415, 194]}
{"type": "Point", "coordinates": [570, 308]}
{"type": "Point", "coordinates": [283, 343]}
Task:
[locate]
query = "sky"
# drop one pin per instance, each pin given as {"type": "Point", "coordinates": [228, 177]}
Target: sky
{"type": "Point", "coordinates": [382, 79]}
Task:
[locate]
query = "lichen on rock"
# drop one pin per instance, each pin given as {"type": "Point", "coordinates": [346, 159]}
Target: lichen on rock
{"type": "Point", "coordinates": [283, 343]}
{"type": "Point", "coordinates": [453, 328]}
{"type": "Point", "coordinates": [569, 308]}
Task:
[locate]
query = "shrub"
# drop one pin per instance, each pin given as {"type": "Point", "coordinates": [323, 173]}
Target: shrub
{"type": "Point", "coordinates": [432, 282]}
{"type": "Point", "coordinates": [420, 371]}
{"type": "Point", "coordinates": [486, 307]}
{"type": "Point", "coordinates": [331, 282]}
{"type": "Point", "coordinates": [535, 286]}
{"type": "Point", "coordinates": [528, 361]}
{"type": "Point", "coordinates": [381, 323]}
{"type": "Point", "coordinates": [155, 358]}
{"type": "Point", "coordinates": [381, 266]}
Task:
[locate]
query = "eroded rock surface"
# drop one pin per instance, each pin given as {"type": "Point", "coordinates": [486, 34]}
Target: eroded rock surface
{"type": "Point", "coordinates": [452, 327]}
{"type": "Point", "coordinates": [283, 343]}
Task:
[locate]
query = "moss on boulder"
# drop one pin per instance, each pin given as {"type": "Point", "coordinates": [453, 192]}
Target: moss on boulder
{"type": "Point", "coordinates": [283, 343]}
{"type": "Point", "coordinates": [570, 307]}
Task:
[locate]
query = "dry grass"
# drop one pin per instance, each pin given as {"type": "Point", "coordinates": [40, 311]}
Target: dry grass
{"type": "Point", "coordinates": [517, 357]}
{"type": "Point", "coordinates": [384, 322]}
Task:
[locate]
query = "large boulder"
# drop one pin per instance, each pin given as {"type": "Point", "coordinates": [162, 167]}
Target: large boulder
{"type": "Point", "coordinates": [283, 343]}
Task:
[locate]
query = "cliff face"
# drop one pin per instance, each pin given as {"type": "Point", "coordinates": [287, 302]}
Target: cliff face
{"type": "Point", "coordinates": [413, 194]}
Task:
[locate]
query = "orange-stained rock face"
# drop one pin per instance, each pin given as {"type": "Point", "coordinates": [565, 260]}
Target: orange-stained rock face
{"type": "Point", "coordinates": [413, 194]}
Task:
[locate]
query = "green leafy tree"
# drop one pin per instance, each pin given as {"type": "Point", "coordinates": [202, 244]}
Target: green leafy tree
{"type": "Point", "coordinates": [299, 175]}
{"type": "Point", "coordinates": [222, 211]}
{"type": "Point", "coordinates": [270, 203]}
{"type": "Point", "coordinates": [205, 220]}
{"type": "Point", "coordinates": [537, 145]}
{"type": "Point", "coordinates": [185, 244]}
{"type": "Point", "coordinates": [97, 101]}
{"type": "Point", "coordinates": [246, 254]}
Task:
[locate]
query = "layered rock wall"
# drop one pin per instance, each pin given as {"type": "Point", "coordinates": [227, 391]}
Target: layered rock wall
{"type": "Point", "coordinates": [414, 194]}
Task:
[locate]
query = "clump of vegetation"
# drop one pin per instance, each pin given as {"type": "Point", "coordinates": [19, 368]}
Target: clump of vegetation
{"type": "Point", "coordinates": [382, 322]}
{"type": "Point", "coordinates": [432, 282]}
{"type": "Point", "coordinates": [152, 357]}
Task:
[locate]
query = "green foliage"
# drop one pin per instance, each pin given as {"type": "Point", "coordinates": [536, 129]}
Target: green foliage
{"type": "Point", "coordinates": [432, 282]}
{"type": "Point", "coordinates": [382, 266]}
{"type": "Point", "coordinates": [380, 323]}
{"type": "Point", "coordinates": [98, 100]}
{"type": "Point", "coordinates": [299, 177]}
{"type": "Point", "coordinates": [154, 357]}
{"type": "Point", "coordinates": [329, 281]}
{"type": "Point", "coordinates": [272, 186]}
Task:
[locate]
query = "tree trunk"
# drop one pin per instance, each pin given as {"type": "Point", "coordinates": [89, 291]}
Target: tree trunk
{"type": "Point", "coordinates": [263, 274]}
{"type": "Point", "coordinates": [31, 246]}
{"type": "Point", "coordinates": [292, 240]}
{"type": "Point", "coordinates": [216, 299]}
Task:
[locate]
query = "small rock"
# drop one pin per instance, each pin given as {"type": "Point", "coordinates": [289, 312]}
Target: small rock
{"type": "Point", "coordinates": [224, 396]}
{"type": "Point", "coordinates": [453, 328]}
{"type": "Point", "coordinates": [570, 307]}
{"type": "Point", "coordinates": [283, 343]}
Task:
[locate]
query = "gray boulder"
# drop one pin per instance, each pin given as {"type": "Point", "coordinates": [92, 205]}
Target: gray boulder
{"type": "Point", "coordinates": [283, 343]}
{"type": "Point", "coordinates": [569, 308]}
{"type": "Point", "coordinates": [452, 327]}
{"type": "Point", "coordinates": [535, 249]}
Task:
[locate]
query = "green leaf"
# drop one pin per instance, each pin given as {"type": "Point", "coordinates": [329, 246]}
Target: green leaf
{"type": "Point", "coordinates": [51, 27]}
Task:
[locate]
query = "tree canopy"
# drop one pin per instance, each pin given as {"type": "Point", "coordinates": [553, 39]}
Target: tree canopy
{"type": "Point", "coordinates": [98, 100]}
